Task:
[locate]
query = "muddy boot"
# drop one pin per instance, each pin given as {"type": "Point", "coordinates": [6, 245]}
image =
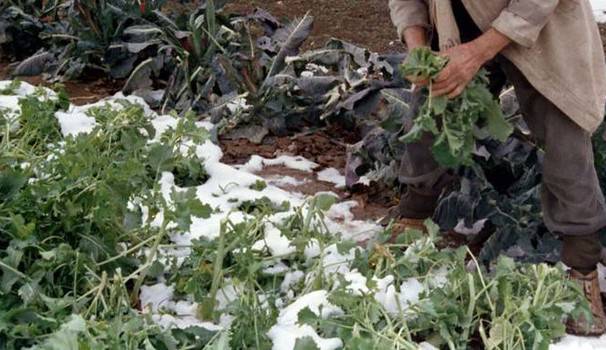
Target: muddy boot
{"type": "Point", "coordinates": [402, 225]}
{"type": "Point", "coordinates": [410, 214]}
{"type": "Point", "coordinates": [591, 288]}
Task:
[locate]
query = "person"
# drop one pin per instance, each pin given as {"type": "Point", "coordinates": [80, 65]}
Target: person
{"type": "Point", "coordinates": [551, 52]}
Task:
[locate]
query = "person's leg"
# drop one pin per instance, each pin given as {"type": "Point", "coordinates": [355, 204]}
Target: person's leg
{"type": "Point", "coordinates": [571, 198]}
{"type": "Point", "coordinates": [422, 177]}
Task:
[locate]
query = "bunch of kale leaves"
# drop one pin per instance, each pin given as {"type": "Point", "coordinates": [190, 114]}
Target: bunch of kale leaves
{"type": "Point", "coordinates": [453, 122]}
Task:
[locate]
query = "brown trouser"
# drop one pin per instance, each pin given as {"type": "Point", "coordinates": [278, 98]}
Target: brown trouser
{"type": "Point", "coordinates": [571, 198]}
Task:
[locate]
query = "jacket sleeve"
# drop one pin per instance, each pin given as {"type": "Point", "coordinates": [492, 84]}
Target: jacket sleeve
{"type": "Point", "coordinates": [523, 20]}
{"type": "Point", "coordinates": [408, 13]}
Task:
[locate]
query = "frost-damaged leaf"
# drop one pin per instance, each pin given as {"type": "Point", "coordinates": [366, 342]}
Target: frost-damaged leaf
{"type": "Point", "coordinates": [269, 22]}
{"type": "Point", "coordinates": [292, 37]}
{"type": "Point", "coordinates": [359, 54]}
{"type": "Point", "coordinates": [34, 65]}
{"type": "Point", "coordinates": [140, 78]}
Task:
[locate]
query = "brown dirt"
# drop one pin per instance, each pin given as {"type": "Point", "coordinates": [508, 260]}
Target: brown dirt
{"type": "Point", "coordinates": [363, 22]}
{"type": "Point", "coordinates": [79, 92]}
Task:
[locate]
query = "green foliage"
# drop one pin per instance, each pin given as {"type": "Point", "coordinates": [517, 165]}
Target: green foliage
{"type": "Point", "coordinates": [66, 224]}
{"type": "Point", "coordinates": [453, 122]}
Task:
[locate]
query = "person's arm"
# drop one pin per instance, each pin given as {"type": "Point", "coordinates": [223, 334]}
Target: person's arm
{"type": "Point", "coordinates": [520, 22]}
{"type": "Point", "coordinates": [415, 37]}
{"type": "Point", "coordinates": [411, 18]}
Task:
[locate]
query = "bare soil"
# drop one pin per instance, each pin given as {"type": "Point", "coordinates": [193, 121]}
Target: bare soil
{"type": "Point", "coordinates": [365, 23]}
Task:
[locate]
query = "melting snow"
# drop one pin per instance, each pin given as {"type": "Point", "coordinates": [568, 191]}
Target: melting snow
{"type": "Point", "coordinates": [332, 175]}
{"type": "Point", "coordinates": [257, 163]}
{"type": "Point", "coordinates": [74, 123]}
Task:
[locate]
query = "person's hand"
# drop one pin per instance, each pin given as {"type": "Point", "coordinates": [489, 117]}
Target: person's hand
{"type": "Point", "coordinates": [464, 62]}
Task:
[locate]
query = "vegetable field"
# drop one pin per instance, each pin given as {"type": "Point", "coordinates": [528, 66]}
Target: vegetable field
{"type": "Point", "coordinates": [123, 225]}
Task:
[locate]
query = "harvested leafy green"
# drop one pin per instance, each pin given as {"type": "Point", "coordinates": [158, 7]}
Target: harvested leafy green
{"type": "Point", "coordinates": [454, 123]}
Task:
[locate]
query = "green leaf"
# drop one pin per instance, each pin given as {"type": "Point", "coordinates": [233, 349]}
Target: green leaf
{"type": "Point", "coordinates": [186, 205]}
{"type": "Point", "coordinates": [222, 343]}
{"type": "Point", "coordinates": [306, 316]}
{"type": "Point", "coordinates": [498, 127]}
{"type": "Point", "coordinates": [439, 104]}
{"type": "Point", "coordinates": [324, 201]}
{"type": "Point", "coordinates": [10, 183]}
{"type": "Point", "coordinates": [66, 338]}
{"type": "Point", "coordinates": [306, 343]}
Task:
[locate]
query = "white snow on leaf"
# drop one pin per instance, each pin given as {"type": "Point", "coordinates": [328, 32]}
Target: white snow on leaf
{"type": "Point", "coordinates": [168, 321]}
{"type": "Point", "coordinates": [438, 278]}
{"type": "Point", "coordinates": [275, 242]}
{"type": "Point", "coordinates": [286, 331]}
{"type": "Point", "coordinates": [396, 302]}
{"type": "Point", "coordinates": [275, 268]}
{"type": "Point", "coordinates": [312, 249]}
{"type": "Point", "coordinates": [332, 175]}
{"type": "Point", "coordinates": [335, 262]}
{"type": "Point", "coordinates": [341, 220]}
{"type": "Point", "coordinates": [74, 123]}
{"type": "Point", "coordinates": [162, 124]}
{"type": "Point", "coordinates": [427, 346]}
{"type": "Point", "coordinates": [284, 337]}
{"type": "Point", "coordinates": [227, 295]}
{"type": "Point", "coordinates": [290, 279]}
{"type": "Point", "coordinates": [410, 290]}
{"type": "Point", "coordinates": [9, 104]}
{"type": "Point", "coordinates": [316, 301]}
{"type": "Point", "coordinates": [156, 297]}
{"type": "Point", "coordinates": [357, 283]}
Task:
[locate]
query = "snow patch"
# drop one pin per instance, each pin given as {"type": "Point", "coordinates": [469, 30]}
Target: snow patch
{"type": "Point", "coordinates": [332, 175]}
{"type": "Point", "coordinates": [75, 123]}
{"type": "Point", "coordinates": [286, 331]}
{"type": "Point", "coordinates": [257, 163]}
